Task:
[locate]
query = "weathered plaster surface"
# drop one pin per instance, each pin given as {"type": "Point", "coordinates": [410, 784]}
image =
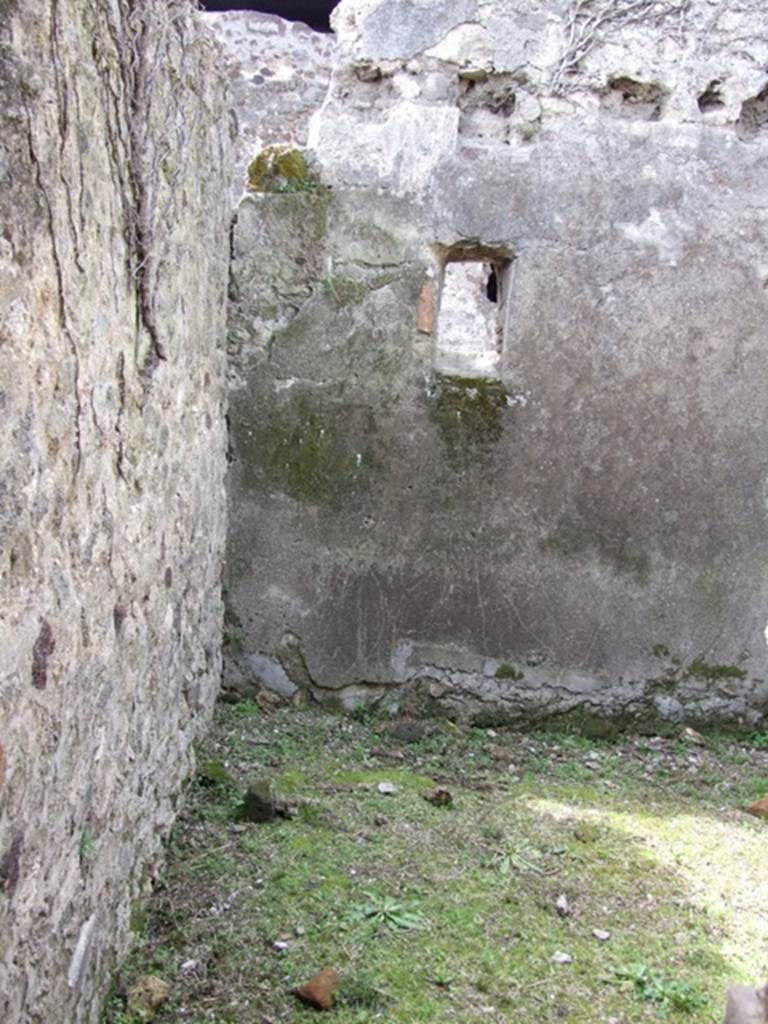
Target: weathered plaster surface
{"type": "Point", "coordinates": [590, 534]}
{"type": "Point", "coordinates": [113, 205]}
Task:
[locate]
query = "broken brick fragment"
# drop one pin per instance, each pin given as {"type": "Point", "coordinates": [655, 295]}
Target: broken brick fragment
{"type": "Point", "coordinates": [425, 313]}
{"type": "Point", "coordinates": [319, 991]}
{"type": "Point", "coordinates": [759, 808]}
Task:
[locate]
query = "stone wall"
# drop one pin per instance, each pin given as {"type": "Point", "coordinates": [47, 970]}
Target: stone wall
{"type": "Point", "coordinates": [279, 72]}
{"type": "Point", "coordinates": [583, 531]}
{"type": "Point", "coordinates": [113, 203]}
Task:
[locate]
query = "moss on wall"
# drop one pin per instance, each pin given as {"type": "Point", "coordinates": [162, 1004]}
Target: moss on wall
{"type": "Point", "coordinates": [698, 668]}
{"type": "Point", "coordinates": [701, 669]}
{"type": "Point", "coordinates": [278, 169]}
{"type": "Point", "coordinates": [468, 412]}
{"type": "Point", "coordinates": [315, 450]}
{"type": "Point", "coordinates": [344, 291]}
{"type": "Point", "coordinates": [508, 671]}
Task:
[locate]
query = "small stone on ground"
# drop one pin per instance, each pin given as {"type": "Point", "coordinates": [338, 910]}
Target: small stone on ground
{"type": "Point", "coordinates": [746, 1005]}
{"type": "Point", "coordinates": [407, 730]}
{"type": "Point", "coordinates": [562, 906]}
{"type": "Point", "coordinates": [261, 805]}
{"type": "Point", "coordinates": [689, 735]}
{"type": "Point", "coordinates": [438, 797]}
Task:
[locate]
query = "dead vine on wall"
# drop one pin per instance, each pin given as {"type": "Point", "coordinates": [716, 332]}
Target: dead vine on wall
{"type": "Point", "coordinates": [150, 139]}
{"type": "Point", "coordinates": [590, 22]}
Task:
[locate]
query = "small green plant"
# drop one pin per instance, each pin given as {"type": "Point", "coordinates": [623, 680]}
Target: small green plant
{"type": "Point", "coordinates": [758, 740]}
{"type": "Point", "coordinates": [246, 709]}
{"type": "Point", "coordinates": [364, 714]}
{"type": "Point", "coordinates": [302, 185]}
{"type": "Point", "coordinates": [115, 1011]}
{"type": "Point", "coordinates": [311, 814]}
{"type": "Point", "coordinates": [523, 857]}
{"type": "Point", "coordinates": [652, 987]}
{"type": "Point", "coordinates": [213, 773]}
{"type": "Point", "coordinates": [386, 912]}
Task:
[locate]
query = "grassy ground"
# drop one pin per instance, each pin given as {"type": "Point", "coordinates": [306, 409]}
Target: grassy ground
{"type": "Point", "coordinates": [438, 914]}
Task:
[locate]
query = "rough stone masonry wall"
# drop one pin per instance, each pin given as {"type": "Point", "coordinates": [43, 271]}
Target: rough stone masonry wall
{"type": "Point", "coordinates": [584, 533]}
{"type": "Point", "coordinates": [279, 72]}
{"type": "Point", "coordinates": [113, 241]}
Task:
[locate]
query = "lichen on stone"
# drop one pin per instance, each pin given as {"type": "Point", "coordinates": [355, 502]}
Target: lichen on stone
{"type": "Point", "coordinates": [344, 291]}
{"type": "Point", "coordinates": [280, 169]}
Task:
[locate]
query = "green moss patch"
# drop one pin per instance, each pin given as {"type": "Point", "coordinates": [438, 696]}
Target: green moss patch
{"type": "Point", "coordinates": [507, 671]}
{"type": "Point", "coordinates": [280, 169]}
{"type": "Point", "coordinates": [316, 451]}
{"type": "Point", "coordinates": [701, 669]}
{"type": "Point", "coordinates": [344, 291]}
{"type": "Point", "coordinates": [469, 413]}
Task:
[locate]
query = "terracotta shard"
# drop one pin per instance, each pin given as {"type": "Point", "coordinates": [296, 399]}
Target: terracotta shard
{"type": "Point", "coordinates": [319, 991]}
{"type": "Point", "coordinates": [759, 808]}
{"type": "Point", "coordinates": [425, 314]}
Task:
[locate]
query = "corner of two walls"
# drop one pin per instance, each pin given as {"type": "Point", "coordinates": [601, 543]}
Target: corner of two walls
{"type": "Point", "coordinates": [582, 534]}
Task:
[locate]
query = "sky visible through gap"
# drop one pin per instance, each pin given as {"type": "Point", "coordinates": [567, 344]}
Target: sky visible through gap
{"type": "Point", "coordinates": [312, 12]}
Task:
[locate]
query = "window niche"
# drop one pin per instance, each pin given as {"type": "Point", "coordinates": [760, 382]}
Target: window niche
{"type": "Point", "coordinates": [472, 294]}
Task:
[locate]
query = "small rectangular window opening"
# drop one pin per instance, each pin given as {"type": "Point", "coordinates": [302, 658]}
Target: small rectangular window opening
{"type": "Point", "coordinates": [470, 321]}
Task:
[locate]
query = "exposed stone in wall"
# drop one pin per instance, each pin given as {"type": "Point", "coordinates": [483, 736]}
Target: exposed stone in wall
{"type": "Point", "coordinates": [470, 325]}
{"type": "Point", "coordinates": [459, 77]}
{"type": "Point", "coordinates": [585, 534]}
{"type": "Point", "coordinates": [279, 73]}
{"type": "Point", "coordinates": [114, 212]}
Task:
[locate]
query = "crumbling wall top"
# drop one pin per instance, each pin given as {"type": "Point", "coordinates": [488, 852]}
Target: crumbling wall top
{"type": "Point", "coordinates": [563, 46]}
{"type": "Point", "coordinates": [420, 82]}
